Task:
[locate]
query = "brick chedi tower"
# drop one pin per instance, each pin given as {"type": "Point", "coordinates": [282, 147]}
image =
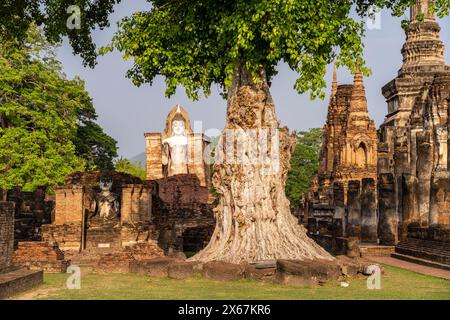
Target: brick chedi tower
{"type": "Point", "coordinates": [412, 158]}
{"type": "Point", "coordinates": [358, 139]}
{"type": "Point", "coordinates": [348, 162]}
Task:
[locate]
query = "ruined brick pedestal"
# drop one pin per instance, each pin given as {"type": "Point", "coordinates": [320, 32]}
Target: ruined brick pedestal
{"type": "Point", "coordinates": [182, 214]}
{"type": "Point", "coordinates": [40, 256]}
{"type": "Point", "coordinates": [78, 227]}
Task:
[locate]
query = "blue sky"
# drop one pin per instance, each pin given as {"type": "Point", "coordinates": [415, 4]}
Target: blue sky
{"type": "Point", "coordinates": [126, 112]}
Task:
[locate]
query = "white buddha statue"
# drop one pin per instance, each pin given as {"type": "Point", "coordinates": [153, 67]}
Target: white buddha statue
{"type": "Point", "coordinates": [177, 150]}
{"type": "Point", "coordinates": [175, 147]}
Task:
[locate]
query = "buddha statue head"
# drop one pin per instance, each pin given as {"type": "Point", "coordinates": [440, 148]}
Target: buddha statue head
{"type": "Point", "coordinates": [178, 125]}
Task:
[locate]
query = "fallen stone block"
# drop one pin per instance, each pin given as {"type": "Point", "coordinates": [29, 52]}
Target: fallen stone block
{"type": "Point", "coordinates": [353, 266]}
{"type": "Point", "coordinates": [157, 267]}
{"type": "Point", "coordinates": [349, 267]}
{"type": "Point", "coordinates": [307, 272]}
{"type": "Point", "coordinates": [223, 271]}
{"type": "Point", "coordinates": [257, 272]}
{"type": "Point", "coordinates": [183, 270]}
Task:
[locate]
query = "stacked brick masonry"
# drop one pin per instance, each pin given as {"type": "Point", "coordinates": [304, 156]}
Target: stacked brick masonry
{"type": "Point", "coordinates": [32, 210]}
{"type": "Point", "coordinates": [39, 255]}
{"type": "Point", "coordinates": [182, 214]}
{"type": "Point", "coordinates": [6, 235]}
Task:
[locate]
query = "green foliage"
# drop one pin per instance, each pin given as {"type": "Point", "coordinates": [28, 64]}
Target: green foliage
{"type": "Point", "coordinates": [38, 110]}
{"type": "Point", "coordinates": [92, 144]}
{"type": "Point", "coordinates": [236, 25]}
{"type": "Point", "coordinates": [304, 164]}
{"type": "Point", "coordinates": [43, 115]}
{"type": "Point", "coordinates": [16, 16]}
{"type": "Point", "coordinates": [135, 169]}
{"type": "Point", "coordinates": [197, 43]}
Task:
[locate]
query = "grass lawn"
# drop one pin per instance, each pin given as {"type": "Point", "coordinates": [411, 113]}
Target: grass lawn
{"type": "Point", "coordinates": [396, 284]}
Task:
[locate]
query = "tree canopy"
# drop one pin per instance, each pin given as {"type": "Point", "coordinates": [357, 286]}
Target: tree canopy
{"type": "Point", "coordinates": [135, 169]}
{"type": "Point", "coordinates": [16, 16]}
{"type": "Point", "coordinates": [197, 43]}
{"type": "Point", "coordinates": [92, 144]}
{"type": "Point", "coordinates": [304, 164]}
{"type": "Point", "coordinates": [42, 116]}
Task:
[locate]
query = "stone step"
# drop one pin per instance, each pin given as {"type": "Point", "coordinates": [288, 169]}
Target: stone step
{"type": "Point", "coordinates": [427, 244]}
{"type": "Point", "coordinates": [424, 254]}
{"type": "Point", "coordinates": [429, 250]}
{"type": "Point", "coordinates": [376, 250]}
{"type": "Point", "coordinates": [425, 249]}
{"type": "Point", "coordinates": [422, 246]}
{"type": "Point", "coordinates": [19, 280]}
{"type": "Point", "coordinates": [419, 247]}
{"type": "Point", "coordinates": [421, 261]}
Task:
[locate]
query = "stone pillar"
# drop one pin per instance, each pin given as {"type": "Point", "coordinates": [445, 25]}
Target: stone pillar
{"type": "Point", "coordinates": [388, 222]}
{"type": "Point", "coordinates": [339, 207]}
{"type": "Point", "coordinates": [425, 163]}
{"type": "Point", "coordinates": [369, 219]}
{"type": "Point", "coordinates": [196, 165]}
{"type": "Point", "coordinates": [6, 234]}
{"type": "Point", "coordinates": [153, 150]}
{"type": "Point", "coordinates": [353, 226]}
{"type": "Point", "coordinates": [439, 204]}
{"type": "Point", "coordinates": [410, 204]}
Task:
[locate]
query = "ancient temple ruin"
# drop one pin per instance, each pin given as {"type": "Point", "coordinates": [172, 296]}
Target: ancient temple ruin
{"type": "Point", "coordinates": [109, 212]}
{"type": "Point", "coordinates": [413, 149]}
{"type": "Point", "coordinates": [345, 185]}
{"type": "Point", "coordinates": [177, 166]}
{"type": "Point", "coordinates": [394, 191]}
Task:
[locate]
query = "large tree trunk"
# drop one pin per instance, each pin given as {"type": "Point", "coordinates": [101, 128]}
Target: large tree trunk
{"type": "Point", "coordinates": [254, 221]}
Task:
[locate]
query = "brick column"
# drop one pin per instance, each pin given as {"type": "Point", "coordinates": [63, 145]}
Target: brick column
{"type": "Point", "coordinates": [196, 164]}
{"type": "Point", "coordinates": [153, 149]}
{"type": "Point", "coordinates": [69, 205]}
{"type": "Point", "coordinates": [136, 204]}
{"type": "Point", "coordinates": [6, 234]}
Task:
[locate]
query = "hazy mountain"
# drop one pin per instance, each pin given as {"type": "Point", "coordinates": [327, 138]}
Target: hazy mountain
{"type": "Point", "coordinates": [139, 158]}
